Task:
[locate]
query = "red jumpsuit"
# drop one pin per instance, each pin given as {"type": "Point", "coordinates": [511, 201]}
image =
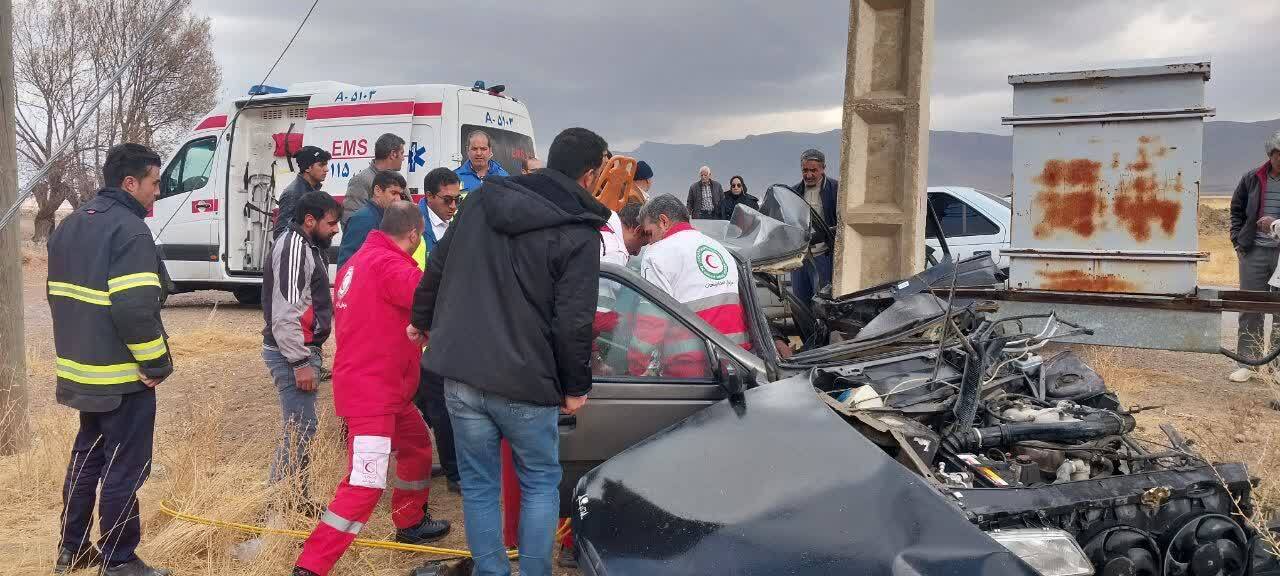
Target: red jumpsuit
{"type": "Point", "coordinates": [375, 375]}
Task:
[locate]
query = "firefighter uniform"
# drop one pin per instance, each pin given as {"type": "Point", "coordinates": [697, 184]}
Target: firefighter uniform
{"type": "Point", "coordinates": [105, 295]}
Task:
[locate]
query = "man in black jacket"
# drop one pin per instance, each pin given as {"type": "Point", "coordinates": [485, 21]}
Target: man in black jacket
{"type": "Point", "coordinates": [1256, 201]}
{"type": "Point", "coordinates": [105, 296]}
{"type": "Point", "coordinates": [520, 270]}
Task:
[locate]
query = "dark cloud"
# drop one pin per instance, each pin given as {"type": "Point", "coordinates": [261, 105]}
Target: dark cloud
{"type": "Point", "coordinates": [700, 71]}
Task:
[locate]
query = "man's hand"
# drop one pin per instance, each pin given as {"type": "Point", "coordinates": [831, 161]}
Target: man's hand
{"type": "Point", "coordinates": [305, 378]}
{"type": "Point", "coordinates": [149, 382]}
{"type": "Point", "coordinates": [784, 349]}
{"type": "Point", "coordinates": [572, 404]}
{"type": "Point", "coordinates": [1265, 222]}
{"type": "Point", "coordinates": [415, 335]}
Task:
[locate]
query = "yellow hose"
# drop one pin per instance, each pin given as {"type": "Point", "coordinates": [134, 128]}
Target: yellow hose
{"type": "Point", "coordinates": [301, 535]}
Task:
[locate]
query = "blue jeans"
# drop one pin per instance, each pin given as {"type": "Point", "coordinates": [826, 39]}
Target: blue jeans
{"type": "Point", "coordinates": [480, 420]}
{"type": "Point", "coordinates": [298, 414]}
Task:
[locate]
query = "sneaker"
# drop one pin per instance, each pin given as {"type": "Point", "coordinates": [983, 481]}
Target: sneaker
{"type": "Point", "coordinates": [567, 558]}
{"type": "Point", "coordinates": [300, 571]}
{"type": "Point", "coordinates": [325, 374]}
{"type": "Point", "coordinates": [1242, 374]}
{"type": "Point", "coordinates": [453, 486]}
{"type": "Point", "coordinates": [426, 531]}
{"type": "Point", "coordinates": [70, 561]}
{"type": "Point", "coordinates": [135, 568]}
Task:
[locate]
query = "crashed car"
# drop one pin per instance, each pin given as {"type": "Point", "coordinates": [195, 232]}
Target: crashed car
{"type": "Point", "coordinates": [913, 433]}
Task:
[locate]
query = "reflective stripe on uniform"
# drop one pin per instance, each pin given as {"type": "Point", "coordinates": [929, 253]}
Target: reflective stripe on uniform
{"type": "Point", "coordinates": [341, 524]}
{"type": "Point", "coordinates": [411, 485]}
{"type": "Point", "coordinates": [148, 350]}
{"type": "Point", "coordinates": [81, 293]}
{"type": "Point", "coordinates": [96, 375]}
{"type": "Point", "coordinates": [121, 283]}
{"type": "Point", "coordinates": [708, 302]}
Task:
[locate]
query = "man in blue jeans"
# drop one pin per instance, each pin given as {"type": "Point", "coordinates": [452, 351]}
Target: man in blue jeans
{"type": "Point", "coordinates": [514, 343]}
{"type": "Point", "coordinates": [298, 311]}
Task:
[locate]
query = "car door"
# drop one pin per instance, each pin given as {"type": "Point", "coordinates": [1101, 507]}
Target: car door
{"type": "Point", "coordinates": [634, 394]}
{"type": "Point", "coordinates": [968, 231]}
{"type": "Point", "coordinates": [186, 213]}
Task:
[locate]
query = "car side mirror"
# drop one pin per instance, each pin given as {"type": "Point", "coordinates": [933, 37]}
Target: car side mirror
{"type": "Point", "coordinates": [732, 377]}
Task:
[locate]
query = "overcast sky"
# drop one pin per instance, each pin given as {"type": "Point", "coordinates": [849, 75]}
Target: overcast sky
{"type": "Point", "coordinates": [702, 71]}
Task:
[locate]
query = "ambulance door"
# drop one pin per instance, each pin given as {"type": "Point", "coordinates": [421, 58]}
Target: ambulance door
{"type": "Point", "coordinates": [185, 217]}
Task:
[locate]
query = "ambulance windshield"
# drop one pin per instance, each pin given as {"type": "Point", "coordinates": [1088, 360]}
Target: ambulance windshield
{"type": "Point", "coordinates": [508, 147]}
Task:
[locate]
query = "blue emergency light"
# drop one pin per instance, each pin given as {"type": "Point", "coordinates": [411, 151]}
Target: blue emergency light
{"type": "Point", "coordinates": [263, 90]}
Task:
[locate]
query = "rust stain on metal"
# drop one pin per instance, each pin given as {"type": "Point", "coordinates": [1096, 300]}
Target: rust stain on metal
{"type": "Point", "coordinates": [1070, 196]}
{"type": "Point", "coordinates": [1080, 281]}
{"type": "Point", "coordinates": [1138, 202]}
{"type": "Point", "coordinates": [1115, 161]}
{"type": "Point", "coordinates": [1162, 151]}
{"type": "Point", "coordinates": [1061, 99]}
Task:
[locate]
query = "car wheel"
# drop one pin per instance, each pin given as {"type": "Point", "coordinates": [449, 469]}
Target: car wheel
{"type": "Point", "coordinates": [248, 295]}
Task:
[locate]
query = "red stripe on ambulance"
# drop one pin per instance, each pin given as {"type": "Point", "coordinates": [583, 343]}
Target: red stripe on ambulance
{"type": "Point", "coordinates": [375, 109]}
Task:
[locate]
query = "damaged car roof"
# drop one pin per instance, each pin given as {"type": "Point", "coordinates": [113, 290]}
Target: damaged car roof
{"type": "Point", "coordinates": [773, 483]}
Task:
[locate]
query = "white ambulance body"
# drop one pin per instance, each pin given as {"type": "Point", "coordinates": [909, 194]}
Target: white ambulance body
{"type": "Point", "coordinates": [212, 223]}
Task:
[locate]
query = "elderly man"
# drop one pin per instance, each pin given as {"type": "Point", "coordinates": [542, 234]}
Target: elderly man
{"type": "Point", "coordinates": [704, 195]}
{"type": "Point", "coordinates": [480, 162]}
{"type": "Point", "coordinates": [820, 192]}
{"type": "Point", "coordinates": [388, 154]}
{"type": "Point", "coordinates": [1255, 205]}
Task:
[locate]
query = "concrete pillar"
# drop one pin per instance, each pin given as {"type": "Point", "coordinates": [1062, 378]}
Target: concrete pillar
{"type": "Point", "coordinates": [885, 143]}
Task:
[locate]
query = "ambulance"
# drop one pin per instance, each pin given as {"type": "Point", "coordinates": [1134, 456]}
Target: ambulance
{"type": "Point", "coordinates": [218, 193]}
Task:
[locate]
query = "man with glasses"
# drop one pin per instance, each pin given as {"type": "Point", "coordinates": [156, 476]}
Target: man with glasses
{"type": "Point", "coordinates": [437, 208]}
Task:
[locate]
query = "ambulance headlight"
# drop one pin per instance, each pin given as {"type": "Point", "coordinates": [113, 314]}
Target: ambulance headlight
{"type": "Point", "coordinates": [1050, 552]}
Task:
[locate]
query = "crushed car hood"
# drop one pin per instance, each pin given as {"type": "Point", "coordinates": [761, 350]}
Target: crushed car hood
{"type": "Point", "coordinates": [773, 483]}
{"type": "Point", "coordinates": [773, 238]}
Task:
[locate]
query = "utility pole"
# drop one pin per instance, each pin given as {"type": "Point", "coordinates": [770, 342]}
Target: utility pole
{"type": "Point", "coordinates": [13, 357]}
{"type": "Point", "coordinates": [885, 143]}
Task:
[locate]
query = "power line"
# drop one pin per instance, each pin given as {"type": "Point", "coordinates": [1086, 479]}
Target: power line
{"type": "Point", "coordinates": [84, 119]}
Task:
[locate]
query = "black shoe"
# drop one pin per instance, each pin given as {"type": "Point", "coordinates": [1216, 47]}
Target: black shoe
{"type": "Point", "coordinates": [437, 470]}
{"type": "Point", "coordinates": [300, 571]}
{"type": "Point", "coordinates": [325, 374]}
{"type": "Point", "coordinates": [69, 561]}
{"type": "Point", "coordinates": [427, 531]}
{"type": "Point", "coordinates": [135, 568]}
{"type": "Point", "coordinates": [461, 567]}
{"type": "Point", "coordinates": [454, 487]}
{"type": "Point", "coordinates": [567, 558]}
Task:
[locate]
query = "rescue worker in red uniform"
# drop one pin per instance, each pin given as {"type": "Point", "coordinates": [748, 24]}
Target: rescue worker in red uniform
{"type": "Point", "coordinates": [375, 377]}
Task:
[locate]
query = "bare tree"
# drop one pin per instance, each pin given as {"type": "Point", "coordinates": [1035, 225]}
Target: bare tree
{"type": "Point", "coordinates": [64, 49]}
{"type": "Point", "coordinates": [49, 70]}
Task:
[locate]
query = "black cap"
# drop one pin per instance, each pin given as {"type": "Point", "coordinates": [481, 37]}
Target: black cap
{"type": "Point", "coordinates": [643, 171]}
{"type": "Point", "coordinates": [310, 155]}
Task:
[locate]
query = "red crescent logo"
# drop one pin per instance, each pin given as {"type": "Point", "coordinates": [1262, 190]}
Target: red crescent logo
{"type": "Point", "coordinates": [710, 264]}
{"type": "Point", "coordinates": [367, 467]}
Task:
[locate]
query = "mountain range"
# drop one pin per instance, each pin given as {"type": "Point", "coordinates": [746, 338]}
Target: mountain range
{"type": "Point", "coordinates": [974, 159]}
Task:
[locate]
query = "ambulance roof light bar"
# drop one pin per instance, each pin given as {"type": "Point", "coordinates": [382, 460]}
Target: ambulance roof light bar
{"type": "Point", "coordinates": [263, 90]}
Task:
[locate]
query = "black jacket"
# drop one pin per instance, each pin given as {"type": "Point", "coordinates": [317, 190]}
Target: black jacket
{"type": "Point", "coordinates": [516, 280]}
{"type": "Point", "coordinates": [1246, 203]}
{"type": "Point", "coordinates": [731, 201]}
{"type": "Point", "coordinates": [105, 296]}
{"type": "Point", "coordinates": [692, 202]}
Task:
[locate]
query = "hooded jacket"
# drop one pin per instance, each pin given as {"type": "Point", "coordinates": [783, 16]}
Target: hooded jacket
{"type": "Point", "coordinates": [374, 291]}
{"type": "Point", "coordinates": [516, 280]}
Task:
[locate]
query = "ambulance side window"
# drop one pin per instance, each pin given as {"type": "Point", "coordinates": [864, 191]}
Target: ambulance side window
{"type": "Point", "coordinates": [635, 337]}
{"type": "Point", "coordinates": [190, 167]}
